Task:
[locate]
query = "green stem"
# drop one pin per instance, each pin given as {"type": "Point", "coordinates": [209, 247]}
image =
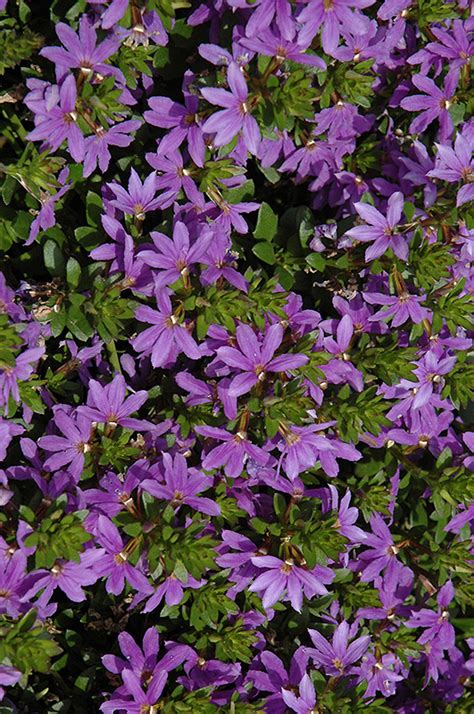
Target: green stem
{"type": "Point", "coordinates": [112, 350]}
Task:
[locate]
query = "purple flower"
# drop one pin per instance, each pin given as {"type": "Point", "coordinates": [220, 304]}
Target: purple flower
{"type": "Point", "coordinates": [434, 103]}
{"type": "Point", "coordinates": [315, 158]}
{"type": "Point", "coordinates": [174, 257]}
{"type": "Point", "coordinates": [8, 304]}
{"type": "Point", "coordinates": [285, 577]}
{"type": "Point", "coordinates": [419, 171]}
{"type": "Point", "coordinates": [22, 369]}
{"type": "Point", "coordinates": [233, 453]}
{"type": "Point", "coordinates": [220, 56]}
{"type": "Point", "coordinates": [70, 577]}
{"type": "Point", "coordinates": [46, 217]}
{"type": "Point", "coordinates": [267, 43]}
{"type": "Point", "coordinates": [306, 702]}
{"type": "Point", "coordinates": [114, 12]}
{"type": "Point", "coordinates": [140, 197]}
{"type": "Point", "coordinates": [301, 448]}
{"type": "Point", "coordinates": [429, 372]}
{"type": "Point", "coordinates": [381, 674]}
{"type": "Point", "coordinates": [173, 177]}
{"type": "Point", "coordinates": [241, 563]}
{"type": "Point", "coordinates": [139, 659]}
{"type": "Point", "coordinates": [58, 122]}
{"type": "Point", "coordinates": [235, 117]}
{"type": "Point", "coordinates": [256, 360]}
{"type": "Point", "coordinates": [181, 121]}
{"type": "Point", "coordinates": [333, 15]}
{"type": "Point", "coordinates": [96, 147]}
{"type": "Point", "coordinates": [81, 50]}
{"type": "Point", "coordinates": [382, 552]}
{"type": "Point", "coordinates": [454, 45]}
{"type": "Point", "coordinates": [341, 121]}
{"type": "Point", "coordinates": [167, 337]}
{"type": "Point", "coordinates": [360, 47]}
{"type": "Point", "coordinates": [181, 485]}
{"type": "Point", "coordinates": [401, 308]}
{"type": "Point", "coordinates": [12, 583]}
{"type": "Point", "coordinates": [436, 623]}
{"type": "Point", "coordinates": [143, 661]}
{"type": "Point", "coordinates": [466, 515]}
{"type": "Point", "coordinates": [274, 678]}
{"type": "Point", "coordinates": [264, 11]}
{"type": "Point", "coordinates": [116, 494]}
{"type": "Point", "coordinates": [172, 590]}
{"type": "Point", "coordinates": [8, 675]}
{"type": "Point", "coordinates": [201, 392]}
{"type": "Point", "coordinates": [149, 27]}
{"type": "Point", "coordinates": [359, 313]}
{"type": "Point", "coordinates": [113, 561]}
{"type": "Point", "coordinates": [380, 229]}
{"type": "Point", "coordinates": [341, 370]}
{"type": "Point", "coordinates": [108, 405]}
{"type": "Point", "coordinates": [393, 589]}
{"type": "Point", "coordinates": [6, 493]}
{"type": "Point", "coordinates": [72, 446]}
{"type": "Point", "coordinates": [456, 165]}
{"type": "Point", "coordinates": [338, 656]}
{"type": "Point", "coordinates": [141, 700]}
{"type": "Point", "coordinates": [228, 215]}
{"type": "Point", "coordinates": [209, 673]}
{"type": "Point", "coordinates": [346, 515]}
{"type": "Point", "coordinates": [222, 263]}
{"type": "Point", "coordinates": [121, 252]}
{"type": "Point", "coordinates": [8, 430]}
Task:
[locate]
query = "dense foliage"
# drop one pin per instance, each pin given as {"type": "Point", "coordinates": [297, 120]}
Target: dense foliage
{"type": "Point", "coordinates": [235, 375]}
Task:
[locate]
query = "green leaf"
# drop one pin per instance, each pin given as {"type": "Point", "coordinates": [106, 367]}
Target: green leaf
{"type": "Point", "coordinates": [53, 258]}
{"type": "Point", "coordinates": [73, 273]}
{"type": "Point", "coordinates": [316, 261]}
{"type": "Point", "coordinates": [265, 252]}
{"type": "Point", "coordinates": [94, 208]}
{"type": "Point", "coordinates": [26, 644]}
{"type": "Point", "coordinates": [267, 223]}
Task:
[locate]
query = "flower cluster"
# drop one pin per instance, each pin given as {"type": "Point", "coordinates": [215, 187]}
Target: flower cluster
{"type": "Point", "coordinates": [235, 338]}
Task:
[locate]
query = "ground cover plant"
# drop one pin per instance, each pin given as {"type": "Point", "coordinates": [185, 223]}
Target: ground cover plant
{"type": "Point", "coordinates": [235, 338]}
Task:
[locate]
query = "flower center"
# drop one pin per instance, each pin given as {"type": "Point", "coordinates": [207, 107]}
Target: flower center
{"type": "Point", "coordinates": [139, 211]}
{"type": "Point", "coordinates": [83, 447]}
{"type": "Point", "coordinates": [291, 438]}
{"type": "Point", "coordinates": [260, 372]}
{"type": "Point", "coordinates": [171, 321]}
